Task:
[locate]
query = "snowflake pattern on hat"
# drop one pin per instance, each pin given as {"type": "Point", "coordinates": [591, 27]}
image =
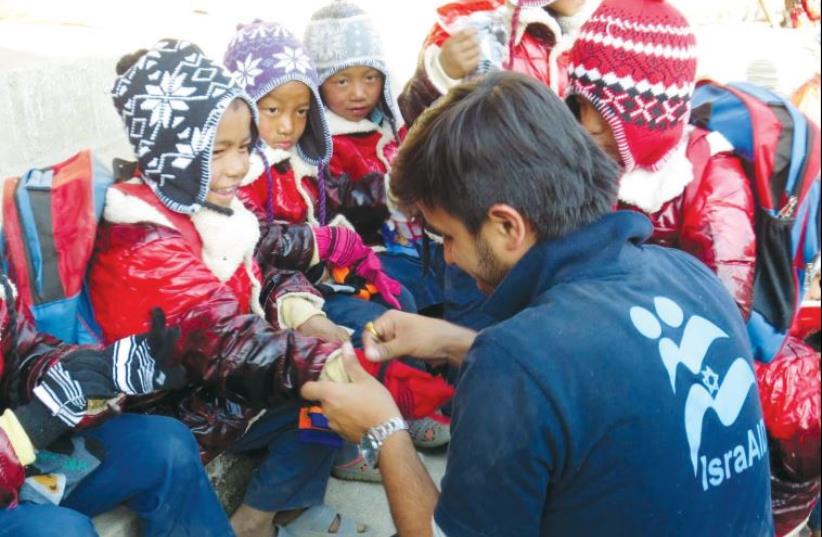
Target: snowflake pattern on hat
{"type": "Point", "coordinates": [171, 102]}
{"type": "Point", "coordinates": [263, 56]}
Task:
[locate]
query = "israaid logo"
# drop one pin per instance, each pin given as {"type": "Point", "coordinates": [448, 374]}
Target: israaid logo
{"type": "Point", "coordinates": [726, 398]}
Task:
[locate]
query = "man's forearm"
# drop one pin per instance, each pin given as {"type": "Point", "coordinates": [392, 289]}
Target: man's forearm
{"type": "Point", "coordinates": [458, 343]}
{"type": "Point", "coordinates": [411, 493]}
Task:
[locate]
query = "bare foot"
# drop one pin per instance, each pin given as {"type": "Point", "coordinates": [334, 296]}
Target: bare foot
{"type": "Point", "coordinates": [249, 522]}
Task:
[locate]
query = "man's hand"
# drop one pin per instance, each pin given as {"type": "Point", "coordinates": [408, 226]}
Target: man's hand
{"type": "Point", "coordinates": [320, 327]}
{"type": "Point", "coordinates": [461, 54]}
{"type": "Point", "coordinates": [354, 407]}
{"type": "Point", "coordinates": [406, 334]}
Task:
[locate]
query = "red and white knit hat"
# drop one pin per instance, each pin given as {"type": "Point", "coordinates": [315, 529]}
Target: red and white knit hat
{"type": "Point", "coordinates": [635, 60]}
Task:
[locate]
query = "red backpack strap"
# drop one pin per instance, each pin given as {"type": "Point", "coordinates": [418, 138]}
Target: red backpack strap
{"type": "Point", "coordinates": [13, 238]}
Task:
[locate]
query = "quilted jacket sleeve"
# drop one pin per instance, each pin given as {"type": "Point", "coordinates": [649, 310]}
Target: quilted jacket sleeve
{"type": "Point", "coordinates": [418, 94]}
{"type": "Point", "coordinates": [35, 351]}
{"type": "Point", "coordinates": [240, 355]}
{"type": "Point", "coordinates": [718, 227]}
{"type": "Point", "coordinates": [286, 246]}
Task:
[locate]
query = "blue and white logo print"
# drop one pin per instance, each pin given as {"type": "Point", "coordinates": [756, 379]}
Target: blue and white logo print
{"type": "Point", "coordinates": [725, 395]}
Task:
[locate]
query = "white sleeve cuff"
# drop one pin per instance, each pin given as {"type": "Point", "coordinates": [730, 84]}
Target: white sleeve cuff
{"type": "Point", "coordinates": [436, 74]}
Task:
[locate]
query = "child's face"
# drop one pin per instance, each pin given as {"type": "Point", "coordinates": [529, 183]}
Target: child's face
{"type": "Point", "coordinates": [354, 92]}
{"type": "Point", "coordinates": [599, 129]}
{"type": "Point", "coordinates": [566, 8]}
{"type": "Point", "coordinates": [283, 114]}
{"type": "Point", "coordinates": [230, 157]}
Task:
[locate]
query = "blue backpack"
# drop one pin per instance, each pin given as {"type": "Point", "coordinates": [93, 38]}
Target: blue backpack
{"type": "Point", "coordinates": [780, 150]}
{"type": "Point", "coordinates": [50, 218]}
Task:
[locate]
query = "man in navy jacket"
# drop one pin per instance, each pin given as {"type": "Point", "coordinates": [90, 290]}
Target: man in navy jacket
{"type": "Point", "coordinates": [615, 394]}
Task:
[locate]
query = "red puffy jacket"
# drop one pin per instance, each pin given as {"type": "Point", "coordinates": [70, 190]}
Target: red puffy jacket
{"type": "Point", "coordinates": [363, 152]}
{"type": "Point", "coordinates": [147, 256]}
{"type": "Point", "coordinates": [711, 216]}
{"type": "Point", "coordinates": [281, 196]}
{"type": "Point", "coordinates": [789, 389]}
{"type": "Point", "coordinates": [533, 55]}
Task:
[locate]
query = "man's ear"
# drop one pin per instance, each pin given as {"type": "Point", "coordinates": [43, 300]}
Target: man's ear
{"type": "Point", "coordinates": [509, 229]}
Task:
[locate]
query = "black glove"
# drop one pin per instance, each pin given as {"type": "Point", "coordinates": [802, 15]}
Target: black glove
{"type": "Point", "coordinates": [135, 365]}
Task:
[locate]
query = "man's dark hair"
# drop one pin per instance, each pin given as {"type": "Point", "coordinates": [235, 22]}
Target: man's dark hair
{"type": "Point", "coordinates": [505, 138]}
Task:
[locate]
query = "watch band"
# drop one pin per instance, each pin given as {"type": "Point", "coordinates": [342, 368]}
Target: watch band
{"type": "Point", "coordinates": [374, 438]}
{"type": "Point", "coordinates": [384, 430]}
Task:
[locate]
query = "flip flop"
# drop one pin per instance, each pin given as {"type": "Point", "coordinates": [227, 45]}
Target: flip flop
{"type": "Point", "coordinates": [315, 521]}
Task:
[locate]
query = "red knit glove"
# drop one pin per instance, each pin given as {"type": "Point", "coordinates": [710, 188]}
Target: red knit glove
{"type": "Point", "coordinates": [343, 247]}
{"type": "Point", "coordinates": [12, 473]}
{"type": "Point", "coordinates": [417, 393]}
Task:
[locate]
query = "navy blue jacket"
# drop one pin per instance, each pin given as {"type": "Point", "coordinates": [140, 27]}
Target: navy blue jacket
{"type": "Point", "coordinates": [615, 396]}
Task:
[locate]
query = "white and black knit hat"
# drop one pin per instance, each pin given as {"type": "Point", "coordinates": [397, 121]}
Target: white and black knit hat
{"type": "Point", "coordinates": [342, 35]}
{"type": "Point", "coordinates": [171, 101]}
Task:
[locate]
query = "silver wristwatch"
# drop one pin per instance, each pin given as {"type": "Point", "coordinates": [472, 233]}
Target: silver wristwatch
{"type": "Point", "coordinates": [373, 439]}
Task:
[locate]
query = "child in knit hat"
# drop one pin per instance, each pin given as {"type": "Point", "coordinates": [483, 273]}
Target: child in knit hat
{"type": "Point", "coordinates": [283, 182]}
{"type": "Point", "coordinates": [286, 178]}
{"type": "Point", "coordinates": [526, 36]}
{"type": "Point", "coordinates": [632, 76]}
{"type": "Point", "coordinates": [176, 236]}
{"type": "Point", "coordinates": [366, 128]}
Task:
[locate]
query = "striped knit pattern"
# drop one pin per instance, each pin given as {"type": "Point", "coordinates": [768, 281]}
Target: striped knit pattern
{"type": "Point", "coordinates": [635, 60]}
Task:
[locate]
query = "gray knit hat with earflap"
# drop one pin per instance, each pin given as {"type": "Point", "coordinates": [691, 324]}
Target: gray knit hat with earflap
{"type": "Point", "coordinates": [342, 35]}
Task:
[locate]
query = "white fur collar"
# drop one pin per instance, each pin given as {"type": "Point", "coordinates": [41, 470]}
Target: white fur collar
{"type": "Point", "coordinates": [340, 126]}
{"type": "Point", "coordinates": [650, 190]}
{"type": "Point", "coordinates": [257, 166]}
{"type": "Point", "coordinates": [122, 208]}
{"type": "Point", "coordinates": [535, 15]}
{"type": "Point", "coordinates": [228, 241]}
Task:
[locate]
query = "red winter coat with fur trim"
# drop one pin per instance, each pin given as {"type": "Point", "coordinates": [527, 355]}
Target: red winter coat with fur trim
{"type": "Point", "coordinates": [201, 271]}
{"type": "Point", "coordinates": [290, 194]}
{"type": "Point", "coordinates": [701, 202]}
{"type": "Point", "coordinates": [535, 54]}
{"type": "Point", "coordinates": [363, 152]}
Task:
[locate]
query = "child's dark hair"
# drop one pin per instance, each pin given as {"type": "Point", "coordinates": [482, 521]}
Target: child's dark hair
{"type": "Point", "coordinates": [505, 138]}
{"type": "Point", "coordinates": [126, 62]}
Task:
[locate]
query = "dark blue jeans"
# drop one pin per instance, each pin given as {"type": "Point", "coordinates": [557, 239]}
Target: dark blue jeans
{"type": "Point", "coordinates": [152, 465]}
{"type": "Point", "coordinates": [293, 474]}
{"type": "Point", "coordinates": [424, 285]}
{"type": "Point", "coordinates": [354, 313]}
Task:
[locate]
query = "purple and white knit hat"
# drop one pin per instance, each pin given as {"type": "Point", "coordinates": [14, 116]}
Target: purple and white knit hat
{"type": "Point", "coordinates": [265, 55]}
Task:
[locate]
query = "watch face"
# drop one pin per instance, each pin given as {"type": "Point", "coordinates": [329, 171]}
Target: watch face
{"type": "Point", "coordinates": [369, 450]}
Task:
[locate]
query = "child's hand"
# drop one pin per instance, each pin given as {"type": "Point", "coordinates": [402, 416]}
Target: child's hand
{"type": "Point", "coordinates": [461, 54]}
{"type": "Point", "coordinates": [320, 327]}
